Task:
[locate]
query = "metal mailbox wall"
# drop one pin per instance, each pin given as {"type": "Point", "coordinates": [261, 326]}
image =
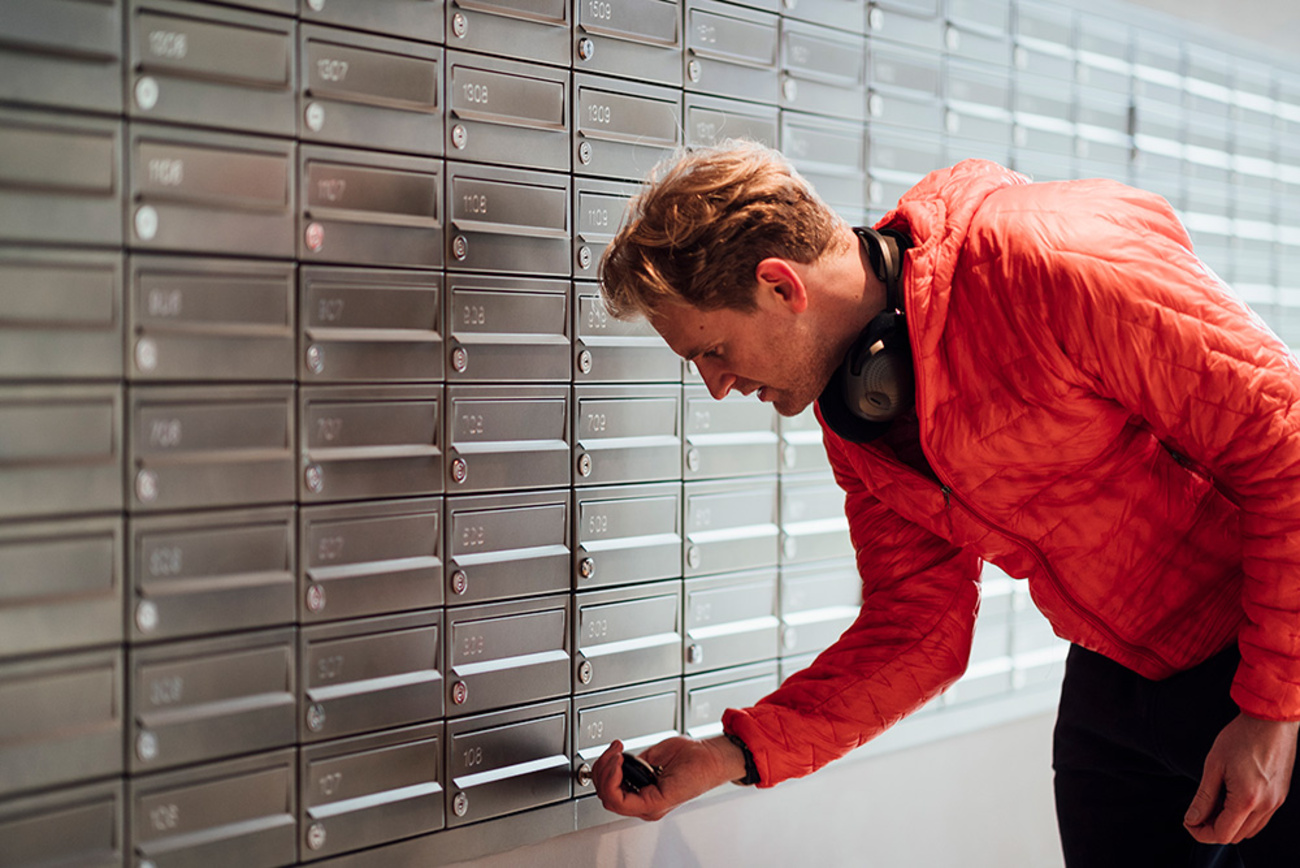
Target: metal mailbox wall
{"type": "Point", "coordinates": [336, 512]}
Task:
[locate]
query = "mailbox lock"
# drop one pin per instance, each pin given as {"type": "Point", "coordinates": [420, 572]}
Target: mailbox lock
{"type": "Point", "coordinates": [316, 717]}
{"type": "Point", "coordinates": [584, 257]}
{"type": "Point", "coordinates": [693, 459]}
{"type": "Point", "coordinates": [586, 48]}
{"type": "Point", "coordinates": [459, 25]}
{"type": "Point", "coordinates": [316, 836]}
{"type": "Point", "coordinates": [314, 478]}
{"type": "Point", "coordinates": [584, 361]}
{"type": "Point", "coordinates": [146, 486]}
{"type": "Point", "coordinates": [315, 359]}
{"type": "Point", "coordinates": [876, 191]}
{"type": "Point", "coordinates": [695, 654]}
{"type": "Point", "coordinates": [146, 616]}
{"type": "Point", "coordinates": [146, 355]}
{"type": "Point", "coordinates": [790, 88]}
{"type": "Point", "coordinates": [789, 638]}
{"type": "Point", "coordinates": [146, 92]}
{"type": "Point", "coordinates": [460, 359]}
{"type": "Point", "coordinates": [1020, 57]}
{"type": "Point", "coordinates": [459, 136]}
{"type": "Point", "coordinates": [314, 116]}
{"type": "Point", "coordinates": [460, 247]}
{"type": "Point", "coordinates": [952, 122]}
{"type": "Point", "coordinates": [314, 237]}
{"type": "Point", "coordinates": [789, 456]}
{"type": "Point", "coordinates": [460, 805]}
{"type": "Point", "coordinates": [952, 39]}
{"type": "Point", "coordinates": [146, 222]}
{"type": "Point", "coordinates": [146, 746]}
{"type": "Point", "coordinates": [316, 599]}
{"type": "Point", "coordinates": [585, 672]}
{"type": "Point", "coordinates": [693, 70]}
{"type": "Point", "coordinates": [459, 470]}
{"type": "Point", "coordinates": [586, 568]}
{"type": "Point", "coordinates": [459, 693]}
{"type": "Point", "coordinates": [459, 582]}
{"type": "Point", "coordinates": [583, 775]}
{"type": "Point", "coordinates": [693, 557]}
{"type": "Point", "coordinates": [789, 547]}
{"type": "Point", "coordinates": [876, 105]}
{"type": "Point", "coordinates": [790, 4]}
{"type": "Point", "coordinates": [584, 152]}
{"type": "Point", "coordinates": [584, 464]}
{"type": "Point", "coordinates": [316, 5]}
{"type": "Point", "coordinates": [876, 19]}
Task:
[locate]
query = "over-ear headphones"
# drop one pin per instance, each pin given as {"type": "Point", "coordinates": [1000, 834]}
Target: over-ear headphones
{"type": "Point", "coordinates": [875, 385]}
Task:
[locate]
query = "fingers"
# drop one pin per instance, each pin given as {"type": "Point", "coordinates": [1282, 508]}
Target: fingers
{"type": "Point", "coordinates": [607, 775]}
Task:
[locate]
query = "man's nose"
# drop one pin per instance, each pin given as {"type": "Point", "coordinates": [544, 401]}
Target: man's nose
{"type": "Point", "coordinates": [720, 382]}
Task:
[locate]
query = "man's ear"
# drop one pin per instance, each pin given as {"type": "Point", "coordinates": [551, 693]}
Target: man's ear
{"type": "Point", "coordinates": [781, 278]}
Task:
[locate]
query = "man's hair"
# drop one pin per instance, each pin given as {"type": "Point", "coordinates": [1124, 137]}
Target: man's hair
{"type": "Point", "coordinates": [703, 222]}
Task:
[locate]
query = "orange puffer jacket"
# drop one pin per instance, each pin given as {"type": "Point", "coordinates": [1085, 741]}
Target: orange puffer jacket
{"type": "Point", "coordinates": [1106, 420]}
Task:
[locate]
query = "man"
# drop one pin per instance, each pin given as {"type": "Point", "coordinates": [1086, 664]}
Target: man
{"type": "Point", "coordinates": [1094, 412]}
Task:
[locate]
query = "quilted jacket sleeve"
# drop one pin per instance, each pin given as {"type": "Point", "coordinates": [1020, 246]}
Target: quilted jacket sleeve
{"type": "Point", "coordinates": [910, 641]}
{"type": "Point", "coordinates": [1148, 326]}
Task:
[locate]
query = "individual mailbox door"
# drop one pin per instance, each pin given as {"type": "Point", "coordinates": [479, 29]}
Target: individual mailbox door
{"type": "Point", "coordinates": [627, 534]}
{"type": "Point", "coordinates": [199, 319]}
{"type": "Point", "coordinates": [731, 619]}
{"type": "Point", "coordinates": [849, 16]}
{"type": "Point", "coordinates": [638, 39]}
{"type": "Point", "coordinates": [818, 603]}
{"type": "Point", "coordinates": [979, 103]}
{"type": "Point", "coordinates": [507, 653]}
{"type": "Point", "coordinates": [730, 525]}
{"type": "Point", "coordinates": [198, 64]}
{"type": "Point", "coordinates": [60, 450]}
{"type": "Point", "coordinates": [370, 324]}
{"type": "Point", "coordinates": [501, 111]}
{"type": "Point", "coordinates": [508, 545]}
{"type": "Point", "coordinates": [370, 92]}
{"type": "Point", "coordinates": [1043, 111]}
{"type": "Point", "coordinates": [373, 441]}
{"type": "Point", "coordinates": [711, 120]}
{"type": "Point", "coordinates": [813, 524]}
{"type": "Point", "coordinates": [993, 16]}
{"type": "Point", "coordinates": [924, 32]}
{"type": "Point", "coordinates": [60, 180]}
{"type": "Point", "coordinates": [731, 51]}
{"type": "Point", "coordinates": [367, 208]}
{"type": "Point", "coordinates": [1157, 67]}
{"type": "Point", "coordinates": [627, 636]}
{"type": "Point", "coordinates": [242, 812]}
{"type": "Point", "coordinates": [415, 19]}
{"type": "Point", "coordinates": [370, 674]}
{"type": "Point", "coordinates": [206, 192]}
{"type": "Point", "coordinates": [613, 350]}
{"type": "Point", "coordinates": [207, 699]}
{"type": "Point", "coordinates": [211, 572]}
{"type": "Point", "coordinates": [626, 434]}
{"type": "Point", "coordinates": [599, 209]}
{"type": "Point", "coordinates": [802, 450]}
{"type": "Point", "coordinates": [1103, 50]}
{"type": "Point", "coordinates": [905, 86]}
{"type": "Point", "coordinates": [1158, 134]}
{"type": "Point", "coordinates": [503, 437]}
{"type": "Point", "coordinates": [622, 129]}
{"type": "Point", "coordinates": [65, 53]}
{"type": "Point", "coordinates": [1044, 41]}
{"type": "Point", "coordinates": [525, 29]}
{"type": "Point", "coordinates": [506, 762]}
{"type": "Point", "coordinates": [710, 694]}
{"type": "Point", "coordinates": [62, 585]}
{"type": "Point", "coordinates": [638, 716]}
{"type": "Point", "coordinates": [213, 447]}
{"type": "Point", "coordinates": [1102, 121]}
{"type": "Point", "coordinates": [81, 826]}
{"type": "Point", "coordinates": [832, 156]}
{"type": "Point", "coordinates": [60, 720]}
{"type": "Point", "coordinates": [370, 559]}
{"type": "Point", "coordinates": [364, 791]}
{"type": "Point", "coordinates": [823, 71]}
{"type": "Point", "coordinates": [507, 328]}
{"type": "Point", "coordinates": [731, 437]}
{"type": "Point", "coordinates": [508, 221]}
{"type": "Point", "coordinates": [63, 315]}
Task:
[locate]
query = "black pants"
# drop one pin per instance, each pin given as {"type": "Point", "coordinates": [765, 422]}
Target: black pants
{"type": "Point", "coordinates": [1128, 755]}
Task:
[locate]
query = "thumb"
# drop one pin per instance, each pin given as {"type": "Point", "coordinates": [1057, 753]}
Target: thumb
{"type": "Point", "coordinates": [1206, 796]}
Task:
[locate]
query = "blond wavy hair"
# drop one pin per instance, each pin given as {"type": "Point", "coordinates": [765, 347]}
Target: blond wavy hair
{"type": "Point", "coordinates": [704, 220]}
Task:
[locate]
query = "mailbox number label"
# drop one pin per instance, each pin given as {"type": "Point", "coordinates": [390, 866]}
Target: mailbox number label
{"type": "Point", "coordinates": [597, 628]}
{"type": "Point", "coordinates": [331, 783]}
{"type": "Point", "coordinates": [473, 536]}
{"type": "Point", "coordinates": [597, 523]}
{"type": "Point", "coordinates": [330, 309]}
{"type": "Point", "coordinates": [601, 10]}
{"type": "Point", "coordinates": [474, 423]}
{"type": "Point", "coordinates": [165, 433]}
{"type": "Point", "coordinates": [597, 422]}
{"type": "Point", "coordinates": [169, 44]}
{"type": "Point", "coordinates": [330, 548]}
{"type": "Point", "coordinates": [329, 428]}
{"type": "Point", "coordinates": [166, 171]}
{"type": "Point", "coordinates": [599, 114]}
{"type": "Point", "coordinates": [330, 668]}
{"type": "Point", "coordinates": [165, 817]}
{"type": "Point", "coordinates": [475, 203]}
{"type": "Point", "coordinates": [331, 189]}
{"type": "Point", "coordinates": [472, 646]}
{"type": "Point", "coordinates": [476, 92]}
{"type": "Point", "coordinates": [164, 302]}
{"type": "Point", "coordinates": [473, 757]}
{"type": "Point", "coordinates": [167, 690]}
{"type": "Point", "coordinates": [165, 561]}
{"type": "Point", "coordinates": [474, 314]}
{"type": "Point", "coordinates": [332, 70]}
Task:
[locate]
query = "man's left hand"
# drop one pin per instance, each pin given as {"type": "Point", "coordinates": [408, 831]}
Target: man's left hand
{"type": "Point", "coordinates": [1246, 778]}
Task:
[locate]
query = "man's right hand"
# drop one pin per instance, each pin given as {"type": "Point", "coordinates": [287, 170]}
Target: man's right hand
{"type": "Point", "coordinates": [689, 767]}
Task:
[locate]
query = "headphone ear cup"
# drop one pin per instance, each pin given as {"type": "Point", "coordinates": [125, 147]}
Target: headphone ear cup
{"type": "Point", "coordinates": [883, 386]}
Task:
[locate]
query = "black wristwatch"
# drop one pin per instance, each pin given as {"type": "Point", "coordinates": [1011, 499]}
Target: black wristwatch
{"type": "Point", "coordinates": [751, 769]}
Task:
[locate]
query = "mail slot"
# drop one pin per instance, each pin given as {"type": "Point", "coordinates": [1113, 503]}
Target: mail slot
{"type": "Point", "coordinates": [801, 443]}
{"type": "Point", "coordinates": [508, 221]}
{"type": "Point", "coordinates": [818, 603]}
{"type": "Point", "coordinates": [979, 102]}
{"type": "Point", "coordinates": [62, 450]}
{"type": "Point", "coordinates": [414, 19]}
{"type": "Point", "coordinates": [903, 70]}
{"type": "Point", "coordinates": [626, 434]}
{"type": "Point", "coordinates": [369, 790]}
{"type": "Point", "coordinates": [849, 16]}
{"type": "Point", "coordinates": [730, 525]}
{"type": "Point", "coordinates": [627, 636]}
{"type": "Point", "coordinates": [509, 761]}
{"type": "Point", "coordinates": [627, 534]}
{"type": "Point", "coordinates": [370, 674]}
{"type": "Point", "coordinates": [504, 437]}
{"type": "Point", "coordinates": [60, 180]}
{"type": "Point", "coordinates": [915, 7]}
{"type": "Point", "coordinates": [623, 129]}
{"type": "Point", "coordinates": [369, 441]}
{"type": "Point", "coordinates": [731, 619]}
{"type": "Point", "coordinates": [194, 63]}
{"type": "Point", "coordinates": [507, 328]}
{"type": "Point", "coordinates": [711, 120]}
{"type": "Point", "coordinates": [509, 653]}
{"type": "Point", "coordinates": [638, 39]}
{"type": "Point", "coordinates": [79, 826]}
{"type": "Point", "coordinates": [370, 324]}
{"type": "Point", "coordinates": [507, 545]}
{"type": "Point", "coordinates": [62, 720]}
{"type": "Point", "coordinates": [204, 192]}
{"type": "Point", "coordinates": [63, 53]}
{"type": "Point", "coordinates": [215, 446]}
{"type": "Point", "coordinates": [612, 350]}
{"type": "Point", "coordinates": [367, 208]}
{"type": "Point", "coordinates": [537, 30]}
{"type": "Point", "coordinates": [731, 437]}
{"type": "Point", "coordinates": [731, 51]}
{"type": "Point", "coordinates": [710, 694]}
{"type": "Point", "coordinates": [241, 812]}
{"type": "Point", "coordinates": [370, 91]}
{"type": "Point", "coordinates": [209, 572]}
{"type": "Point", "coordinates": [813, 524]}
{"type": "Point", "coordinates": [370, 559]}
{"type": "Point", "coordinates": [62, 585]}
{"type": "Point", "coordinates": [920, 32]}
{"type": "Point", "coordinates": [832, 156]}
{"type": "Point", "coordinates": [823, 71]}
{"type": "Point", "coordinates": [199, 319]}
{"type": "Point", "coordinates": [638, 716]}
{"type": "Point", "coordinates": [505, 112]}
